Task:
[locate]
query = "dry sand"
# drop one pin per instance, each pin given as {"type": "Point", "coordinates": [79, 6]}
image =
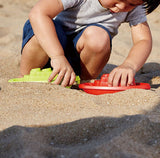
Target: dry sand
{"type": "Point", "coordinates": [39, 120]}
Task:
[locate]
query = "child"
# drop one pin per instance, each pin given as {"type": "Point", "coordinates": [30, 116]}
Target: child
{"type": "Point", "coordinates": [75, 37]}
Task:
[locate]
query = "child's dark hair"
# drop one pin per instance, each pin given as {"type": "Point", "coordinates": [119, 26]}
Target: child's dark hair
{"type": "Point", "coordinates": [151, 5]}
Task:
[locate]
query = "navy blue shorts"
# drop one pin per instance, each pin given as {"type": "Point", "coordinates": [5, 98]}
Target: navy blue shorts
{"type": "Point", "coordinates": [68, 43]}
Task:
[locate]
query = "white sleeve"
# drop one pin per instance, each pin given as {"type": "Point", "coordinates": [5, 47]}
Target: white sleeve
{"type": "Point", "coordinates": [70, 3]}
{"type": "Point", "coordinates": [136, 16]}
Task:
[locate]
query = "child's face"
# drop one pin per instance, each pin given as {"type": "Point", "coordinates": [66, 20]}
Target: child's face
{"type": "Point", "coordinates": [116, 6]}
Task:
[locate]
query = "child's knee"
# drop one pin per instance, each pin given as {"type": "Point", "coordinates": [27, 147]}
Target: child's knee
{"type": "Point", "coordinates": [31, 45]}
{"type": "Point", "coordinates": [97, 39]}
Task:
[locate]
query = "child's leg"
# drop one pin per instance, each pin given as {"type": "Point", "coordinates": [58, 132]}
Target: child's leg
{"type": "Point", "coordinates": [94, 48]}
{"type": "Point", "coordinates": [33, 56]}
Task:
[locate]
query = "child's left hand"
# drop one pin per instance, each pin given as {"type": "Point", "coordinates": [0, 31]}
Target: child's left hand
{"type": "Point", "coordinates": [122, 75]}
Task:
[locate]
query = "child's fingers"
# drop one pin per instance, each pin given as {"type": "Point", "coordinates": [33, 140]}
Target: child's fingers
{"type": "Point", "coordinates": [66, 79]}
{"type": "Point", "coordinates": [110, 78]}
{"type": "Point", "coordinates": [53, 74]}
{"type": "Point", "coordinates": [59, 77]}
{"type": "Point", "coordinates": [73, 78]}
{"type": "Point", "coordinates": [130, 79]}
{"type": "Point", "coordinates": [124, 79]}
{"type": "Point", "coordinates": [116, 79]}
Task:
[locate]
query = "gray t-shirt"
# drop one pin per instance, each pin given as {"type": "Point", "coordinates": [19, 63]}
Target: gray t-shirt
{"type": "Point", "coordinates": [79, 13]}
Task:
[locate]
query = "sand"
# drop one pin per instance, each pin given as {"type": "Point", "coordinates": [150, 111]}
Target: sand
{"type": "Point", "coordinates": [42, 120]}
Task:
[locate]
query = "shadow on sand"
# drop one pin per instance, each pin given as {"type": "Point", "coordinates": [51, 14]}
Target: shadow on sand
{"type": "Point", "coordinates": [98, 137]}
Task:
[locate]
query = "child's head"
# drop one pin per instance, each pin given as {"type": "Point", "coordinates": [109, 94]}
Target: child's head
{"type": "Point", "coordinates": [127, 5]}
{"type": "Point", "coordinates": [116, 6]}
{"type": "Point", "coordinates": [150, 5]}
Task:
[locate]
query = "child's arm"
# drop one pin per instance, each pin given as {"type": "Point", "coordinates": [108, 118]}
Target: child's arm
{"type": "Point", "coordinates": [142, 44]}
{"type": "Point", "coordinates": [41, 20]}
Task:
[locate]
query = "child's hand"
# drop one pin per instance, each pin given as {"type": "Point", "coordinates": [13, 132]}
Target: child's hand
{"type": "Point", "coordinates": [122, 75]}
{"type": "Point", "coordinates": [64, 70]}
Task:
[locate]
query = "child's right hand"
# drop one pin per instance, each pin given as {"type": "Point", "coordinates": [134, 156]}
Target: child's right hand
{"type": "Point", "coordinates": [61, 66]}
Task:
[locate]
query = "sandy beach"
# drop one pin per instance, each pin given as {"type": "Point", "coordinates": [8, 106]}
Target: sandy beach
{"type": "Point", "coordinates": [42, 120]}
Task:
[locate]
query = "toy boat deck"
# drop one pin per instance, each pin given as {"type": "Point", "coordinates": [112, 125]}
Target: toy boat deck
{"type": "Point", "coordinates": [38, 75]}
{"type": "Point", "coordinates": [101, 86]}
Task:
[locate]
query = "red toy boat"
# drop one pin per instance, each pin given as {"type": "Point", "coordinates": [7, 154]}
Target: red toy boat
{"type": "Point", "coordinates": [101, 86]}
